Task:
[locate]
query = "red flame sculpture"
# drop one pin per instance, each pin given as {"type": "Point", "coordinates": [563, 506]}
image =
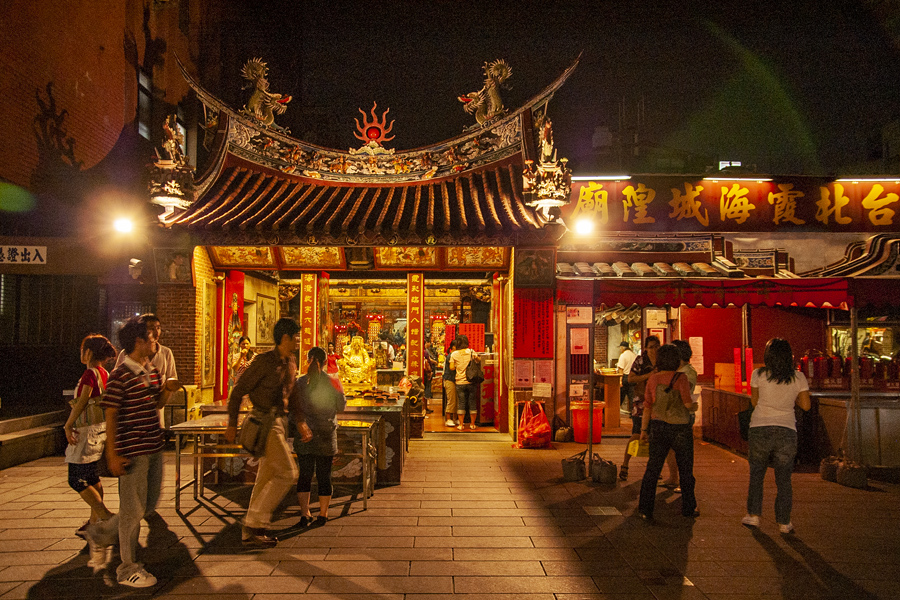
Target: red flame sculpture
{"type": "Point", "coordinates": [374, 130]}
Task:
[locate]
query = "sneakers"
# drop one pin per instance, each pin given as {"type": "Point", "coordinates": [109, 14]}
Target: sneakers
{"type": "Point", "coordinates": [99, 559]}
{"type": "Point", "coordinates": [449, 423]}
{"type": "Point", "coordinates": [750, 520]}
{"type": "Point", "coordinates": [460, 426]}
{"type": "Point", "coordinates": [786, 528]}
{"type": "Point", "coordinates": [472, 426]}
{"type": "Point", "coordinates": [139, 579]}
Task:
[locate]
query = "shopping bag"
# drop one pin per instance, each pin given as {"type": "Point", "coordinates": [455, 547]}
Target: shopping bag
{"type": "Point", "coordinates": [534, 428]}
{"type": "Point", "coordinates": [636, 448]}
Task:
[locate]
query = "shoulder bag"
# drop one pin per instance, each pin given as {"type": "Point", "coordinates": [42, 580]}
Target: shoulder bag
{"type": "Point", "coordinates": [255, 431]}
{"type": "Point", "coordinates": [743, 418]}
{"type": "Point", "coordinates": [474, 370]}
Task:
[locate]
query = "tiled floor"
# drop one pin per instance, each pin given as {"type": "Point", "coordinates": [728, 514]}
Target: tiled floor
{"type": "Point", "coordinates": [477, 519]}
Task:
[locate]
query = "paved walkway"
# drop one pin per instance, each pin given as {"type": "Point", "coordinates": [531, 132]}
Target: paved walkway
{"type": "Point", "coordinates": [477, 519]}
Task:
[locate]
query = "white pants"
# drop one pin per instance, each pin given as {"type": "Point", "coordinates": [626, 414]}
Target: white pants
{"type": "Point", "coordinates": [276, 476]}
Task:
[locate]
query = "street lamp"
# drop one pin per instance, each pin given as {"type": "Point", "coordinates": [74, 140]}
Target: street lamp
{"type": "Point", "coordinates": [123, 225]}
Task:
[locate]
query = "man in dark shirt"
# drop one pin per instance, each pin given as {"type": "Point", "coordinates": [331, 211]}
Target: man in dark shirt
{"type": "Point", "coordinates": [270, 381]}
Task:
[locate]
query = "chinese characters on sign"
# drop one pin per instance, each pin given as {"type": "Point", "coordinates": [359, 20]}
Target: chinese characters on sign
{"type": "Point", "coordinates": [23, 255]}
{"type": "Point", "coordinates": [679, 203]}
{"type": "Point", "coordinates": [415, 327]}
{"type": "Point", "coordinates": [533, 326]}
{"type": "Point", "coordinates": [307, 314]}
{"type": "Point", "coordinates": [474, 332]}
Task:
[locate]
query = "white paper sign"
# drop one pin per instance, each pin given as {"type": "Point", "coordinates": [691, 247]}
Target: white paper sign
{"type": "Point", "coordinates": [576, 390]}
{"type": "Point", "coordinates": [541, 390]}
{"type": "Point", "coordinates": [579, 339]}
{"type": "Point", "coordinates": [524, 370]}
{"type": "Point", "coordinates": [579, 314]}
{"type": "Point", "coordinates": [543, 371]}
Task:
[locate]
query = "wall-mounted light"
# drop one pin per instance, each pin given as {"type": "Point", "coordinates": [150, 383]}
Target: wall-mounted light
{"type": "Point", "coordinates": [756, 179]}
{"type": "Point", "coordinates": [123, 225]}
{"type": "Point", "coordinates": [601, 178]}
{"type": "Point", "coordinates": [584, 226]}
{"type": "Point", "coordinates": [869, 180]}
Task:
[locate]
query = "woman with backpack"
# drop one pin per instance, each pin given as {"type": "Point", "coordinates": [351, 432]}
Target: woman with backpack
{"type": "Point", "coordinates": [666, 422]}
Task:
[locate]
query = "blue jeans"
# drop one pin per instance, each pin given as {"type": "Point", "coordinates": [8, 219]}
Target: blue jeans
{"type": "Point", "coordinates": [778, 446]}
{"type": "Point", "coordinates": [466, 399]}
{"type": "Point", "coordinates": [664, 437]}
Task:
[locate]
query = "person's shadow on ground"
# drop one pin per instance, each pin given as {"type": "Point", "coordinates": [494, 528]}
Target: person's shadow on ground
{"type": "Point", "coordinates": [810, 577]}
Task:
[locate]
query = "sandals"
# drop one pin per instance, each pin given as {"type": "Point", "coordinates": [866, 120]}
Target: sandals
{"type": "Point", "coordinates": [623, 473]}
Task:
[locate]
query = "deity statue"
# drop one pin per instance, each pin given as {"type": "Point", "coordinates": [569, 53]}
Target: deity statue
{"type": "Point", "coordinates": [357, 369]}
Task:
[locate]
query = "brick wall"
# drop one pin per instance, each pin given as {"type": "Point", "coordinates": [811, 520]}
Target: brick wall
{"type": "Point", "coordinates": [601, 341]}
{"type": "Point", "coordinates": [180, 309]}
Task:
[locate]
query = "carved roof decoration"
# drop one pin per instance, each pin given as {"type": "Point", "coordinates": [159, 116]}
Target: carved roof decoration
{"type": "Point", "coordinates": [264, 187]}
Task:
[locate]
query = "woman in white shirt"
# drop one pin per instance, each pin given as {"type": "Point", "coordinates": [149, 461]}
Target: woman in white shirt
{"type": "Point", "coordinates": [774, 391]}
{"type": "Point", "coordinates": [466, 392]}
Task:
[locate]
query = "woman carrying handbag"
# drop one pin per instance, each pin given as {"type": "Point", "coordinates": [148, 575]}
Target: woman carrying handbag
{"type": "Point", "coordinates": [321, 398]}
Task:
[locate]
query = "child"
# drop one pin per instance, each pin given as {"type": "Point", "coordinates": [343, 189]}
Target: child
{"type": "Point", "coordinates": [86, 433]}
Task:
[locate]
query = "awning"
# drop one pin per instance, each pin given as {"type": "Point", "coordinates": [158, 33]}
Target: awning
{"type": "Point", "coordinates": [820, 293]}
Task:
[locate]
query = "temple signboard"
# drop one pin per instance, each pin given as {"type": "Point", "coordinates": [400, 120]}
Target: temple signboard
{"type": "Point", "coordinates": [695, 204]}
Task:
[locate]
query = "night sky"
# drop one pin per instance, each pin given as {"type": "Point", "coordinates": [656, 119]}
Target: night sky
{"type": "Point", "coordinates": [793, 87]}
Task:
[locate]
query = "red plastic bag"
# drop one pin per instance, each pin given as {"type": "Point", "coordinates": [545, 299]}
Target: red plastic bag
{"type": "Point", "coordinates": [534, 428]}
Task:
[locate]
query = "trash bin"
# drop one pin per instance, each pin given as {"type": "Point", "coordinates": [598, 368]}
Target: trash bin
{"type": "Point", "coordinates": [580, 421]}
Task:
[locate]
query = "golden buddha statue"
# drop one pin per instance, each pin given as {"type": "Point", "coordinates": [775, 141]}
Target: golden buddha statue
{"type": "Point", "coordinates": [357, 368]}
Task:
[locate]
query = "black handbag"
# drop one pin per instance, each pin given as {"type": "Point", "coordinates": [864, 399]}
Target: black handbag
{"type": "Point", "coordinates": [743, 418]}
{"type": "Point", "coordinates": [255, 431]}
{"type": "Point", "coordinates": [474, 370]}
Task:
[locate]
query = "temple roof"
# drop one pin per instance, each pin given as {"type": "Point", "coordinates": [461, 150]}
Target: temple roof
{"type": "Point", "coordinates": [262, 186]}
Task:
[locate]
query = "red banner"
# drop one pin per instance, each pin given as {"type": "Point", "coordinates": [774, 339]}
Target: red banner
{"type": "Point", "coordinates": [415, 327]}
{"type": "Point", "coordinates": [232, 328]}
{"type": "Point", "coordinates": [533, 323]}
{"type": "Point", "coordinates": [475, 333]}
{"type": "Point", "coordinates": [708, 204]}
{"type": "Point", "coordinates": [308, 308]}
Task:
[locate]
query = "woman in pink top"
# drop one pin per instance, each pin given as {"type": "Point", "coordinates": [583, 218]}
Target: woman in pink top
{"type": "Point", "coordinates": [666, 422]}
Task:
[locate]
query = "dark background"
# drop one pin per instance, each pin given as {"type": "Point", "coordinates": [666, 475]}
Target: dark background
{"type": "Point", "coordinates": [800, 87]}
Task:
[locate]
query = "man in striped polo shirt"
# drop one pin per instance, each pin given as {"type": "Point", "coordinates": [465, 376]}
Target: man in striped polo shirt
{"type": "Point", "coordinates": [134, 443]}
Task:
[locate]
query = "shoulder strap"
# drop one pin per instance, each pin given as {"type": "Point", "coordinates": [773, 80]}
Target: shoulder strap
{"type": "Point", "coordinates": [672, 382]}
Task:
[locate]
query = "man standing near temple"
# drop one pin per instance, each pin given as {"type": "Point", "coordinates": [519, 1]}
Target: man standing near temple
{"type": "Point", "coordinates": [160, 357]}
{"type": "Point", "coordinates": [270, 382]}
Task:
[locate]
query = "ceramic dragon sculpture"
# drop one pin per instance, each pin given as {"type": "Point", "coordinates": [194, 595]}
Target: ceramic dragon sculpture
{"type": "Point", "coordinates": [262, 104]}
{"type": "Point", "coordinates": [486, 103]}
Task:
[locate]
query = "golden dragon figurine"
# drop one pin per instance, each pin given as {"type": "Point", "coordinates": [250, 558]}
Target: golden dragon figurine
{"type": "Point", "coordinates": [263, 104]}
{"type": "Point", "coordinates": [486, 103]}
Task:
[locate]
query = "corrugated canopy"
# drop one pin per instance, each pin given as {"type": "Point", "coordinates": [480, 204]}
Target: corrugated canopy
{"type": "Point", "coordinates": [822, 293]}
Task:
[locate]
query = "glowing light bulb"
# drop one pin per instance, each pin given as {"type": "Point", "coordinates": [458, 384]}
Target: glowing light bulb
{"type": "Point", "coordinates": [123, 225]}
{"type": "Point", "coordinates": [584, 226]}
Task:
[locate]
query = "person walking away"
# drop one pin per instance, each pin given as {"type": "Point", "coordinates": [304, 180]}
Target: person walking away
{"type": "Point", "coordinates": [684, 354]}
{"type": "Point", "coordinates": [321, 398]}
{"type": "Point", "coordinates": [641, 369]}
{"type": "Point", "coordinates": [86, 433]}
{"type": "Point", "coordinates": [775, 389]}
{"type": "Point", "coordinates": [134, 443]}
{"type": "Point", "coordinates": [666, 423]}
{"type": "Point", "coordinates": [623, 366]}
{"type": "Point", "coordinates": [160, 357]}
{"type": "Point", "coordinates": [449, 385]}
{"type": "Point", "coordinates": [270, 382]}
{"type": "Point", "coordinates": [466, 392]}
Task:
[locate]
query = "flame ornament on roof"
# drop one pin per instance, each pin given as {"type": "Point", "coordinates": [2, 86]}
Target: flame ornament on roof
{"type": "Point", "coordinates": [374, 130]}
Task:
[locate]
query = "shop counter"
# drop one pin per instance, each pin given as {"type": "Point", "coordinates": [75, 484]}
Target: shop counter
{"type": "Point", "coordinates": [201, 439]}
{"type": "Point", "coordinates": [395, 419]}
